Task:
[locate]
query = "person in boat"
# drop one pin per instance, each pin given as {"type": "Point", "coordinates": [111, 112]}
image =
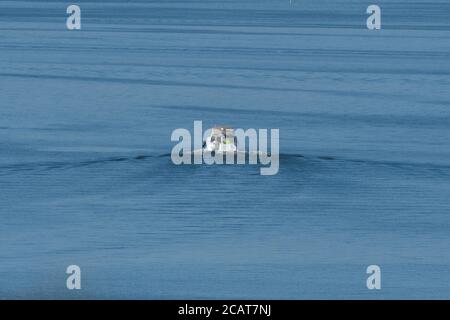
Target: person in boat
{"type": "Point", "coordinates": [221, 139]}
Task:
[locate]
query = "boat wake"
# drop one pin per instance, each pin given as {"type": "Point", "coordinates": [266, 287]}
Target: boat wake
{"type": "Point", "coordinates": [287, 159]}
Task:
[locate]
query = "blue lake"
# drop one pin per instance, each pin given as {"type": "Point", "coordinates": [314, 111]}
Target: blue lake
{"type": "Point", "coordinates": [85, 123]}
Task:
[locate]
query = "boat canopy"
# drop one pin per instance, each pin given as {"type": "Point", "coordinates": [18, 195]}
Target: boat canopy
{"type": "Point", "coordinates": [223, 130]}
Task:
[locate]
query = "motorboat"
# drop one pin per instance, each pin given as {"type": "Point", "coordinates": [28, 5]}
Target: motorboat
{"type": "Point", "coordinates": [221, 140]}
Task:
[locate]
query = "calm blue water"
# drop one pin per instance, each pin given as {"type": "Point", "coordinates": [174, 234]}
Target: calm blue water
{"type": "Point", "coordinates": [85, 124]}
